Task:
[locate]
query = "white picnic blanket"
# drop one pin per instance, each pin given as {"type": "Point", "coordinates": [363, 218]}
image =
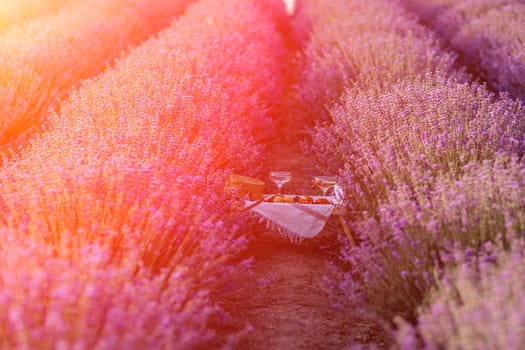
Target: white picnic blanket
{"type": "Point", "coordinates": [294, 220]}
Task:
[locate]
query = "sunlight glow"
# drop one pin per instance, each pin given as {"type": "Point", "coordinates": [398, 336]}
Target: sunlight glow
{"type": "Point", "coordinates": [290, 5]}
{"type": "Point", "coordinates": [12, 12]}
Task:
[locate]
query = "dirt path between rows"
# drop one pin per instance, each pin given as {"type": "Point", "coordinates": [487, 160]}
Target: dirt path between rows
{"type": "Point", "coordinates": [285, 299]}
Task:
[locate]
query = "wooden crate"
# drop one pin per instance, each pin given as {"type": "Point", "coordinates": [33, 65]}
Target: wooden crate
{"type": "Point", "coordinates": [244, 185]}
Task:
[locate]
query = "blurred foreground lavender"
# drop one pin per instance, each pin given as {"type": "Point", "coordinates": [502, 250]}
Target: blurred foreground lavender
{"type": "Point", "coordinates": [478, 305]}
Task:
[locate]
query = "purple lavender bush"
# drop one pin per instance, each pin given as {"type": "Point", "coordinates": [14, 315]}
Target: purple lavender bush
{"type": "Point", "coordinates": [412, 131]}
{"type": "Point", "coordinates": [489, 35]}
{"type": "Point", "coordinates": [351, 43]}
{"type": "Point", "coordinates": [428, 159]}
{"type": "Point", "coordinates": [406, 248]}
{"type": "Point", "coordinates": [477, 305]}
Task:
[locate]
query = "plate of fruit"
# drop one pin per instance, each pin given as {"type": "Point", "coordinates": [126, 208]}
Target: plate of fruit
{"type": "Point", "coordinates": [298, 199]}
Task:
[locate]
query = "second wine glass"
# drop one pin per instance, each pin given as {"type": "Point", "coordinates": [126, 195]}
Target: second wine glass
{"type": "Point", "coordinates": [280, 178]}
{"type": "Point", "coordinates": [325, 183]}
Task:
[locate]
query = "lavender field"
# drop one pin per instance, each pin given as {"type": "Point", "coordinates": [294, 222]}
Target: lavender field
{"type": "Point", "coordinates": [122, 120]}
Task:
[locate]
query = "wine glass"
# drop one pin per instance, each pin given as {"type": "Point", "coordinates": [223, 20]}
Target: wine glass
{"type": "Point", "coordinates": [325, 183]}
{"type": "Point", "coordinates": [280, 178]}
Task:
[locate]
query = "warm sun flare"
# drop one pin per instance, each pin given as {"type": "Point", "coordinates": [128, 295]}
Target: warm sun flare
{"type": "Point", "coordinates": [13, 11]}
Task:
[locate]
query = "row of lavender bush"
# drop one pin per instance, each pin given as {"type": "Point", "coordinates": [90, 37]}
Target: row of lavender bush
{"type": "Point", "coordinates": [488, 34]}
{"type": "Point", "coordinates": [116, 222]}
{"type": "Point", "coordinates": [42, 59]}
{"type": "Point", "coordinates": [332, 59]}
{"type": "Point", "coordinates": [479, 304]}
{"type": "Point", "coordinates": [49, 301]}
{"type": "Point", "coordinates": [404, 131]}
{"type": "Point", "coordinates": [408, 246]}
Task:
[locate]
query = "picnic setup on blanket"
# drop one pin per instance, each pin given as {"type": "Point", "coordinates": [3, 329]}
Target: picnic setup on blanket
{"type": "Point", "coordinates": [294, 216]}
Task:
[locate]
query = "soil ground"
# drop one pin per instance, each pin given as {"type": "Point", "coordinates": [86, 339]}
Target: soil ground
{"type": "Point", "coordinates": [285, 299]}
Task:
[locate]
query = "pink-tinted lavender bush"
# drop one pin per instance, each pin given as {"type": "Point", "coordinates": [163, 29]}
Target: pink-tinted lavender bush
{"type": "Point", "coordinates": [354, 43]}
{"type": "Point", "coordinates": [412, 131]}
{"type": "Point", "coordinates": [488, 34]}
{"type": "Point", "coordinates": [175, 114]}
{"type": "Point", "coordinates": [50, 301]}
{"type": "Point", "coordinates": [478, 305]}
{"type": "Point", "coordinates": [405, 248]}
{"type": "Point", "coordinates": [136, 158]}
{"type": "Point", "coordinates": [42, 59]}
